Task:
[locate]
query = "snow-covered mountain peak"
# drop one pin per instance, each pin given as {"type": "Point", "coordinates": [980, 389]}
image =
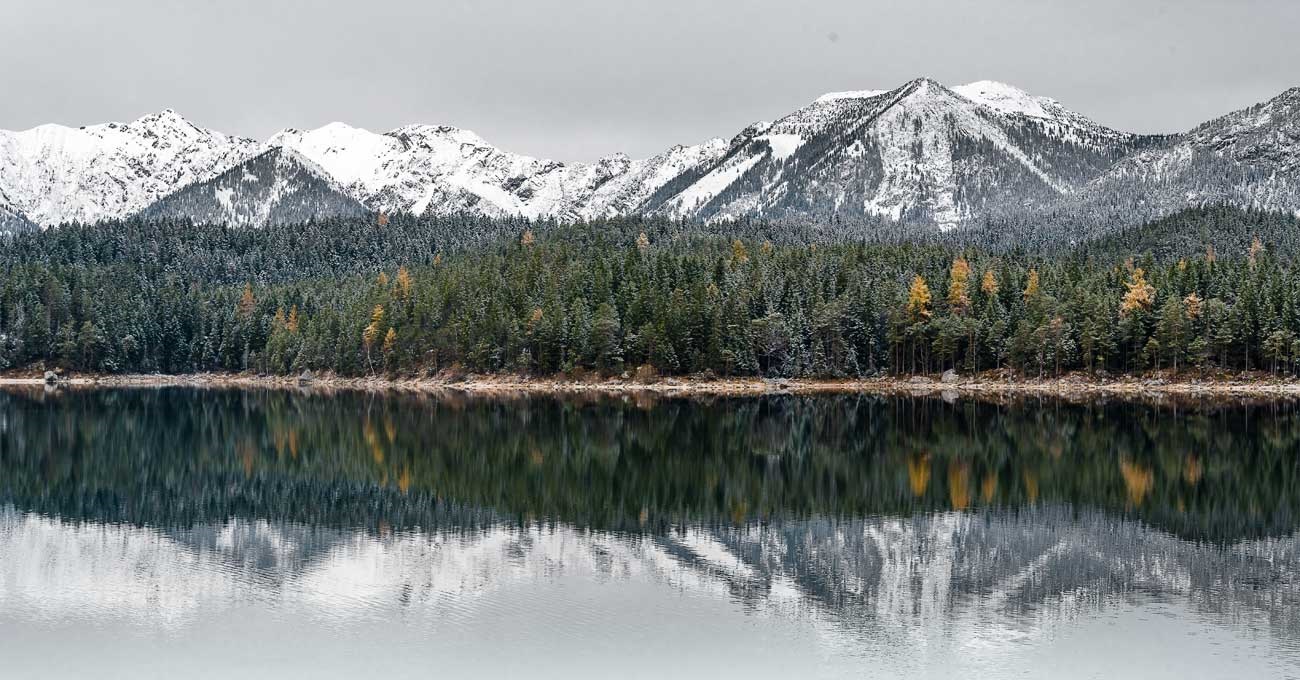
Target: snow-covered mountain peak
{"type": "Point", "coordinates": [439, 134]}
{"type": "Point", "coordinates": [1007, 98]}
{"type": "Point", "coordinates": [924, 83]}
{"type": "Point", "coordinates": [920, 152]}
{"type": "Point", "coordinates": [167, 118]}
{"type": "Point", "coordinates": [54, 174]}
{"type": "Point", "coordinates": [849, 94]}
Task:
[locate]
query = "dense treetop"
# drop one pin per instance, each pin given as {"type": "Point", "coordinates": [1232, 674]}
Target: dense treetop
{"type": "Point", "coordinates": [1208, 288]}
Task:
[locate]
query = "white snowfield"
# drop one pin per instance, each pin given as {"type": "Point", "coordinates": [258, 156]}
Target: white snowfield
{"type": "Point", "coordinates": [54, 174]}
{"type": "Point", "coordinates": [919, 151]}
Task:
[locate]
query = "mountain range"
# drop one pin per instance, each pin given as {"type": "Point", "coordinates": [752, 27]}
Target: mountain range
{"type": "Point", "coordinates": [921, 153]}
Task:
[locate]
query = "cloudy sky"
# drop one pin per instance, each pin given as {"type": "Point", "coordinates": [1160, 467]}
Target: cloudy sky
{"type": "Point", "coordinates": [576, 79]}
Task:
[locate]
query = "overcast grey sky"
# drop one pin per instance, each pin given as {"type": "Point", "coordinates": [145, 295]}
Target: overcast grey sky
{"type": "Point", "coordinates": [577, 79]}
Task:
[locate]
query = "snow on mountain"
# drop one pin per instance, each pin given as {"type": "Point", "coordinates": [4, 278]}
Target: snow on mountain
{"type": "Point", "coordinates": [54, 174]}
{"type": "Point", "coordinates": [426, 169]}
{"type": "Point", "coordinates": [277, 186]}
{"type": "Point", "coordinates": [1249, 158]}
{"type": "Point", "coordinates": [921, 152]}
{"type": "Point", "coordinates": [851, 94]}
{"type": "Point", "coordinates": [11, 219]}
{"type": "Point", "coordinates": [1007, 99]}
{"type": "Point", "coordinates": [1044, 566]}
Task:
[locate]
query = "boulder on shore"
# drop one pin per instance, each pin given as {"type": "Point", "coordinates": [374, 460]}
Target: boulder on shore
{"type": "Point", "coordinates": [51, 378]}
{"type": "Point", "coordinates": [950, 376]}
{"type": "Point", "coordinates": [306, 378]}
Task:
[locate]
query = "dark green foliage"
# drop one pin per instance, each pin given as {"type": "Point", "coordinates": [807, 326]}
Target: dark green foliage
{"type": "Point", "coordinates": [417, 296]}
{"type": "Point", "coordinates": [179, 457]}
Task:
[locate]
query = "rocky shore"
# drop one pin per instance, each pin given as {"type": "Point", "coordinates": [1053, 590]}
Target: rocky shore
{"type": "Point", "coordinates": [1071, 387]}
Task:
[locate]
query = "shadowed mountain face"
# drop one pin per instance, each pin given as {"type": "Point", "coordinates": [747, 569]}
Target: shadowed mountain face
{"type": "Point", "coordinates": [275, 187]}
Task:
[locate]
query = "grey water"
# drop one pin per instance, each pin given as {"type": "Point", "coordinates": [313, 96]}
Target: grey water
{"type": "Point", "coordinates": [214, 533]}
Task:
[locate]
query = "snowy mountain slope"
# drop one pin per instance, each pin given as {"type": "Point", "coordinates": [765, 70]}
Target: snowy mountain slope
{"type": "Point", "coordinates": [1042, 566]}
{"type": "Point", "coordinates": [1249, 158]}
{"type": "Point", "coordinates": [12, 219]}
{"type": "Point", "coordinates": [275, 187]}
{"type": "Point", "coordinates": [54, 174]}
{"type": "Point", "coordinates": [425, 169]}
{"type": "Point", "coordinates": [921, 152]}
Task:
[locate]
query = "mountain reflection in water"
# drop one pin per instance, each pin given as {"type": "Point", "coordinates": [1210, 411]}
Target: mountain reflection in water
{"type": "Point", "coordinates": [910, 536]}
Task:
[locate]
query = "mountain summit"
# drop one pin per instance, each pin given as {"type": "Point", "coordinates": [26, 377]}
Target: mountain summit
{"type": "Point", "coordinates": [920, 153]}
{"type": "Point", "coordinates": [53, 174]}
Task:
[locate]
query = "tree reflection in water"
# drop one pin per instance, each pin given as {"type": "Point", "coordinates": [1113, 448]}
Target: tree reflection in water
{"type": "Point", "coordinates": [875, 515]}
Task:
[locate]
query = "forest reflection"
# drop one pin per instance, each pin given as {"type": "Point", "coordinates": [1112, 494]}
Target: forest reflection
{"type": "Point", "coordinates": [176, 457]}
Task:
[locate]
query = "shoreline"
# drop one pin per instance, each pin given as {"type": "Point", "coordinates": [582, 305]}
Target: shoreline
{"type": "Point", "coordinates": [1067, 387]}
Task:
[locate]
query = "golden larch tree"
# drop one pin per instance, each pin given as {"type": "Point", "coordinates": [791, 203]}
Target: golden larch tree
{"type": "Point", "coordinates": [246, 301]}
{"type": "Point", "coordinates": [371, 332]}
{"type": "Point", "coordinates": [1141, 296]}
{"type": "Point", "coordinates": [739, 254]}
{"type": "Point", "coordinates": [1192, 303]}
{"type": "Point", "coordinates": [989, 284]}
{"type": "Point", "coordinates": [918, 300]}
{"type": "Point", "coordinates": [403, 284]}
{"type": "Point", "coordinates": [959, 285]}
{"type": "Point", "coordinates": [1032, 287]}
{"type": "Point", "coordinates": [390, 343]}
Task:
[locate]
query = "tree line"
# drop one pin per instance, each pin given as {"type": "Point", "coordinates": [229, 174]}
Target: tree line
{"type": "Point", "coordinates": [418, 297]}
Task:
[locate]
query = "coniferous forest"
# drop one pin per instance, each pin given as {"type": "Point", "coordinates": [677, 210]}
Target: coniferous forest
{"type": "Point", "coordinates": [1209, 289]}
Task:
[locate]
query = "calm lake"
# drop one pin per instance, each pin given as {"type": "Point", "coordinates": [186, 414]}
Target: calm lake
{"type": "Point", "coordinates": [221, 533]}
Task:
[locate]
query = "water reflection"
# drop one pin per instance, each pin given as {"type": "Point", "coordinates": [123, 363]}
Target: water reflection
{"type": "Point", "coordinates": [911, 536]}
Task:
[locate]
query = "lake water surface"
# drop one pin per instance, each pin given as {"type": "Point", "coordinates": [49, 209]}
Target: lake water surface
{"type": "Point", "coordinates": [209, 533]}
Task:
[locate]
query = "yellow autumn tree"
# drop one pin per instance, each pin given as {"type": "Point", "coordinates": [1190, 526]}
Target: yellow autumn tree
{"type": "Point", "coordinates": [959, 285]}
{"type": "Point", "coordinates": [292, 322]}
{"type": "Point", "coordinates": [1192, 303]}
{"type": "Point", "coordinates": [918, 300]}
{"type": "Point", "coordinates": [403, 284]}
{"type": "Point", "coordinates": [382, 280]}
{"type": "Point", "coordinates": [246, 301]}
{"type": "Point", "coordinates": [1032, 287]}
{"type": "Point", "coordinates": [527, 239]}
{"type": "Point", "coordinates": [739, 254]}
{"type": "Point", "coordinates": [642, 242]}
{"type": "Point", "coordinates": [371, 332]}
{"type": "Point", "coordinates": [1140, 295]}
{"type": "Point", "coordinates": [1256, 247]}
{"type": "Point", "coordinates": [989, 284]}
{"type": "Point", "coordinates": [390, 343]}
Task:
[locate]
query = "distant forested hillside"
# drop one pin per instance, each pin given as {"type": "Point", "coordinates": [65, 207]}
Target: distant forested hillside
{"type": "Point", "coordinates": [1207, 288]}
